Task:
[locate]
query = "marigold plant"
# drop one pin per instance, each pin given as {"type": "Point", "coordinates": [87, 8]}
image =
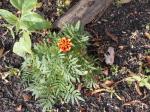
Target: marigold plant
{"type": "Point", "coordinates": [52, 75]}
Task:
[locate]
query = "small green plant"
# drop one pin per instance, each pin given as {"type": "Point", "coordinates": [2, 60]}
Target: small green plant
{"type": "Point", "coordinates": [22, 25]}
{"type": "Point", "coordinates": [142, 80]}
{"type": "Point", "coordinates": [114, 69]}
{"type": "Point", "coordinates": [58, 66]}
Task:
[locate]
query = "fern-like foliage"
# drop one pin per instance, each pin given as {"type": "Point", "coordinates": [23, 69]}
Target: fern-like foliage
{"type": "Point", "coordinates": [51, 74]}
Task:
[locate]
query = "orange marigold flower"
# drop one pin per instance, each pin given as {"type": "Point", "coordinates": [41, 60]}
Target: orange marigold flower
{"type": "Point", "coordinates": [64, 44]}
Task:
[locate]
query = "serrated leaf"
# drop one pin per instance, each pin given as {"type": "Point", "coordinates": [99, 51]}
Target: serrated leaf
{"type": "Point", "coordinates": [24, 5]}
{"type": "Point", "coordinates": [8, 16]}
{"type": "Point", "coordinates": [23, 46]}
{"type": "Point", "coordinates": [33, 21]}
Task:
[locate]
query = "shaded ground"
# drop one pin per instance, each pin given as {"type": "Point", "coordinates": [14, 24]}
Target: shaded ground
{"type": "Point", "coordinates": [123, 29]}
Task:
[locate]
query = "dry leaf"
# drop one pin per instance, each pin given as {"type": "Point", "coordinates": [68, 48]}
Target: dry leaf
{"type": "Point", "coordinates": [26, 97]}
{"type": "Point", "coordinates": [82, 109]}
{"type": "Point", "coordinates": [110, 56]}
{"type": "Point", "coordinates": [148, 59]}
{"type": "Point", "coordinates": [112, 36]}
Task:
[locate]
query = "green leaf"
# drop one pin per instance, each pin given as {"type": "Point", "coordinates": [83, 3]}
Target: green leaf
{"type": "Point", "coordinates": [144, 82]}
{"type": "Point", "coordinates": [24, 5]}
{"type": "Point", "coordinates": [33, 21]}
{"type": "Point", "coordinates": [147, 85]}
{"type": "Point", "coordinates": [23, 46]}
{"type": "Point", "coordinates": [8, 16]}
{"type": "Point", "coordinates": [17, 3]}
{"type": "Point", "coordinates": [77, 26]}
{"type": "Point", "coordinates": [28, 5]}
{"type": "Point", "coordinates": [137, 78]}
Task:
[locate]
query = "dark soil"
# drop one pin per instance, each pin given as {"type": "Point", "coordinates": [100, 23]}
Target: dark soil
{"type": "Point", "coordinates": [115, 29]}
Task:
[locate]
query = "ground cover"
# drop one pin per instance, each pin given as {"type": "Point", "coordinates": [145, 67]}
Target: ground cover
{"type": "Point", "coordinates": [121, 28]}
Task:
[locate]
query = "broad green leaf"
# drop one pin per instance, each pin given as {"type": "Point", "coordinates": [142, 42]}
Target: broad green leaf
{"type": "Point", "coordinates": [28, 5]}
{"type": "Point", "coordinates": [33, 21]}
{"type": "Point", "coordinates": [23, 46]}
{"type": "Point", "coordinates": [17, 3]}
{"type": "Point", "coordinates": [8, 16]}
{"type": "Point", "coordinates": [24, 5]}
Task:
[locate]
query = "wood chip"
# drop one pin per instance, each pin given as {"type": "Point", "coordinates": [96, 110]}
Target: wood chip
{"type": "Point", "coordinates": [19, 108]}
{"type": "Point", "coordinates": [110, 56]}
{"type": "Point", "coordinates": [1, 52]}
{"type": "Point", "coordinates": [147, 35]}
{"type": "Point", "coordinates": [137, 88]}
{"type": "Point", "coordinates": [105, 71]}
{"type": "Point", "coordinates": [79, 87]}
{"type": "Point", "coordinates": [108, 83]}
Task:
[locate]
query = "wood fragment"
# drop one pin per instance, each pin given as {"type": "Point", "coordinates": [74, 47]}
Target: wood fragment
{"type": "Point", "coordinates": [84, 11]}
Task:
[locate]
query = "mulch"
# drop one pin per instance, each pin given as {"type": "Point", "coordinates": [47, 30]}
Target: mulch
{"type": "Point", "coordinates": [121, 27]}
